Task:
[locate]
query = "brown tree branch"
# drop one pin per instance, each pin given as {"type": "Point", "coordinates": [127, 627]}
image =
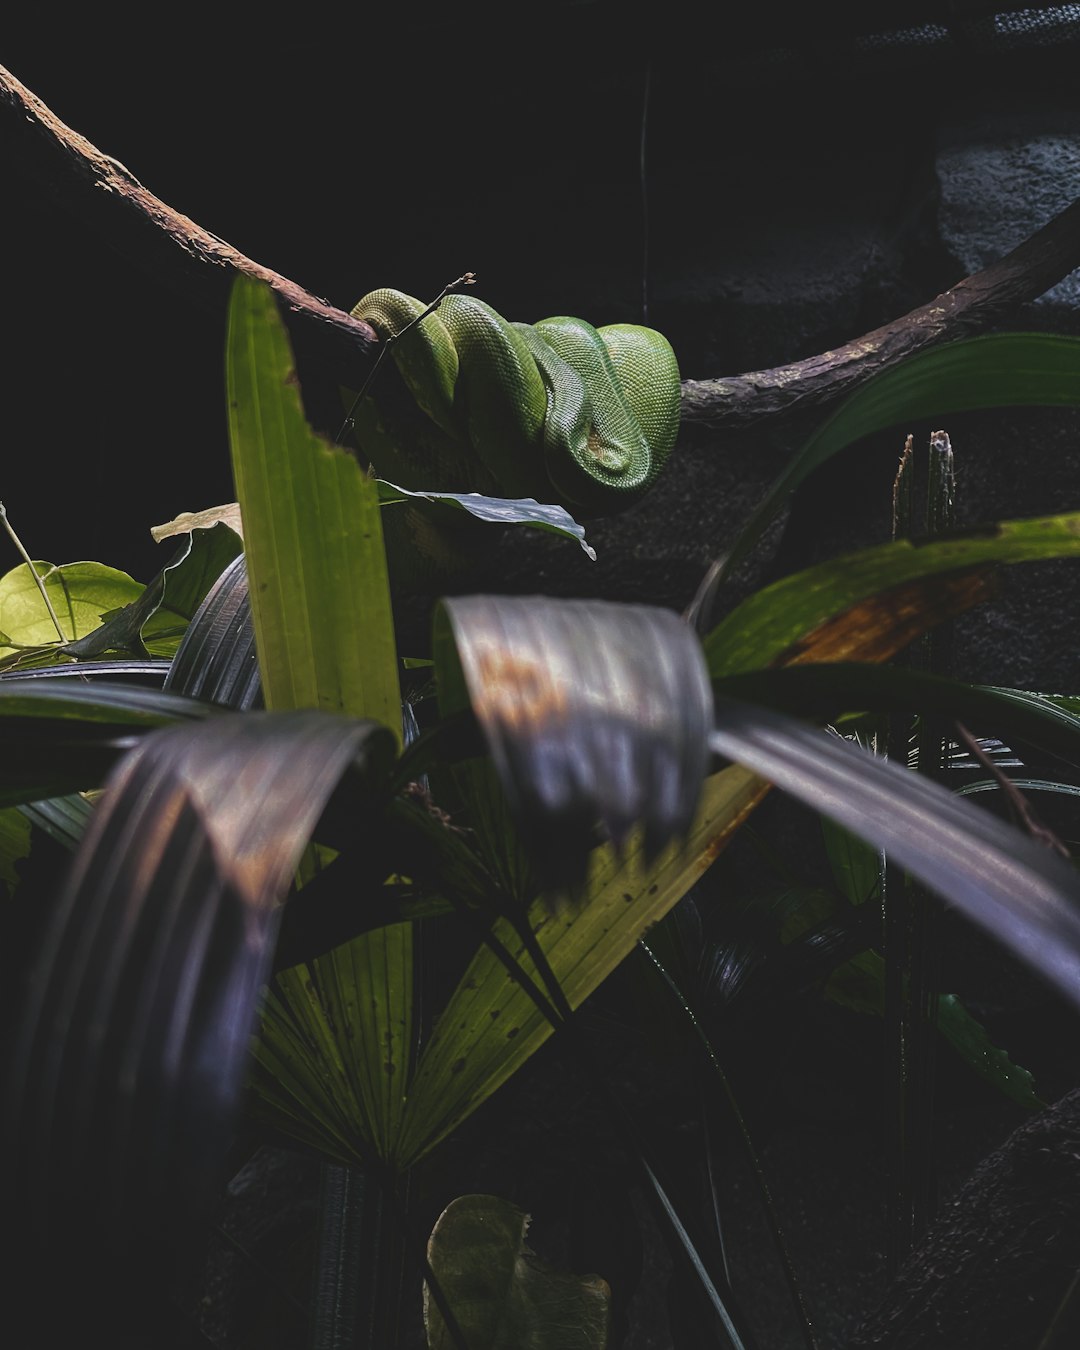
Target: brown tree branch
{"type": "Point", "coordinates": [100, 192]}
{"type": "Point", "coordinates": [969, 307]}
{"type": "Point", "coordinates": [103, 194]}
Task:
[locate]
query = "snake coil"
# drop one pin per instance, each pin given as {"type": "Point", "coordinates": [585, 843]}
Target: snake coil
{"type": "Point", "coordinates": [557, 408]}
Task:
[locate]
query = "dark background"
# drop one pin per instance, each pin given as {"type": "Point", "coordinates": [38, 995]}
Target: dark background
{"type": "Point", "coordinates": [806, 179]}
{"type": "Point", "coordinates": [798, 191]}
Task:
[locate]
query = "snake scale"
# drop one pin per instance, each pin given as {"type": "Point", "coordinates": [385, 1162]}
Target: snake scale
{"type": "Point", "coordinates": [556, 410]}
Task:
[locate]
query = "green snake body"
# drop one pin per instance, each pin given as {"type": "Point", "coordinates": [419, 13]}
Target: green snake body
{"type": "Point", "coordinates": [553, 409]}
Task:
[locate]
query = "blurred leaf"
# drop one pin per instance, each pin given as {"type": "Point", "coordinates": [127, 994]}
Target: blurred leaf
{"type": "Point", "coordinates": [63, 735]}
{"type": "Point", "coordinates": [869, 604]}
{"type": "Point", "coordinates": [133, 1031]}
{"type": "Point", "coordinates": [996, 370]}
{"type": "Point", "coordinates": [502, 1295]}
{"type": "Point", "coordinates": [496, 510]}
{"type": "Point", "coordinates": [827, 690]}
{"type": "Point", "coordinates": [14, 846]}
{"type": "Point", "coordinates": [595, 715]}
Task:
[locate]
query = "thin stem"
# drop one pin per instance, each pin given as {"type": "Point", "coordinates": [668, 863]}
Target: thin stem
{"type": "Point", "coordinates": [643, 170]}
{"type": "Point", "coordinates": [752, 1155]}
{"type": "Point", "coordinates": [33, 571]}
{"type": "Point", "coordinates": [466, 279]}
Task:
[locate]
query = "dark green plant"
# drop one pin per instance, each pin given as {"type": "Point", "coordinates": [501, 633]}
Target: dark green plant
{"type": "Point", "coordinates": [277, 870]}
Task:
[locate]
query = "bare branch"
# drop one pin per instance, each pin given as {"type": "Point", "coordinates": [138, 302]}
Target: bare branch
{"type": "Point", "coordinates": [100, 192]}
{"type": "Point", "coordinates": [969, 307]}
{"type": "Point", "coordinates": [103, 194]}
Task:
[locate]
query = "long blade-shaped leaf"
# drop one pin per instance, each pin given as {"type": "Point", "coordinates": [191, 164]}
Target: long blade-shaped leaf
{"type": "Point", "coordinates": [133, 1031]}
{"type": "Point", "coordinates": [1026, 896]}
{"type": "Point", "coordinates": [320, 600]}
{"type": "Point", "coordinates": [62, 735]}
{"type": "Point", "coordinates": [312, 534]}
{"type": "Point", "coordinates": [787, 622]}
{"type": "Point", "coordinates": [996, 370]}
{"type": "Point", "coordinates": [826, 690]}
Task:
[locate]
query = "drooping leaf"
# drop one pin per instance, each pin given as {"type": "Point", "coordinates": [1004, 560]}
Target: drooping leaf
{"type": "Point", "coordinates": [595, 715]}
{"type": "Point", "coordinates": [312, 535]}
{"type": "Point", "coordinates": [1024, 895]}
{"type": "Point", "coordinates": [64, 735]}
{"type": "Point", "coordinates": [503, 1296]}
{"type": "Point", "coordinates": [496, 510]}
{"type": "Point", "coordinates": [828, 690]}
{"type": "Point", "coordinates": [133, 1031]}
{"type": "Point", "coordinates": [868, 604]}
{"type": "Point", "coordinates": [995, 370]}
{"type": "Point", "coordinates": [155, 622]}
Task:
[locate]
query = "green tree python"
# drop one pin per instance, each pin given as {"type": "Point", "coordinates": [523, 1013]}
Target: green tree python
{"type": "Point", "coordinates": [557, 410]}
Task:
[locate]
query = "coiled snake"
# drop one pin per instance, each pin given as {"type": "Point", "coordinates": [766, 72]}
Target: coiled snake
{"type": "Point", "coordinates": [557, 410]}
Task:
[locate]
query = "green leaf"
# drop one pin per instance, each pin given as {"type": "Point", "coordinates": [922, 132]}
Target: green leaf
{"type": "Point", "coordinates": [63, 735]}
{"type": "Point", "coordinates": [502, 1295]}
{"type": "Point", "coordinates": [312, 535]}
{"type": "Point", "coordinates": [496, 510]}
{"type": "Point", "coordinates": [14, 846]}
{"type": "Point", "coordinates": [782, 623]}
{"type": "Point", "coordinates": [352, 1011]}
{"type": "Point", "coordinates": [83, 595]}
{"type": "Point", "coordinates": [969, 1038]}
{"type": "Point", "coordinates": [490, 1026]}
{"type": "Point", "coordinates": [320, 601]}
{"type": "Point", "coordinates": [996, 370]}
{"type": "Point", "coordinates": [859, 984]}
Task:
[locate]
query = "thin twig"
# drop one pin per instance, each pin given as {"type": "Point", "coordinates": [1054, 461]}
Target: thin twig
{"type": "Point", "coordinates": [33, 571]}
{"type": "Point", "coordinates": [466, 279]}
{"type": "Point", "coordinates": [1020, 804]}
